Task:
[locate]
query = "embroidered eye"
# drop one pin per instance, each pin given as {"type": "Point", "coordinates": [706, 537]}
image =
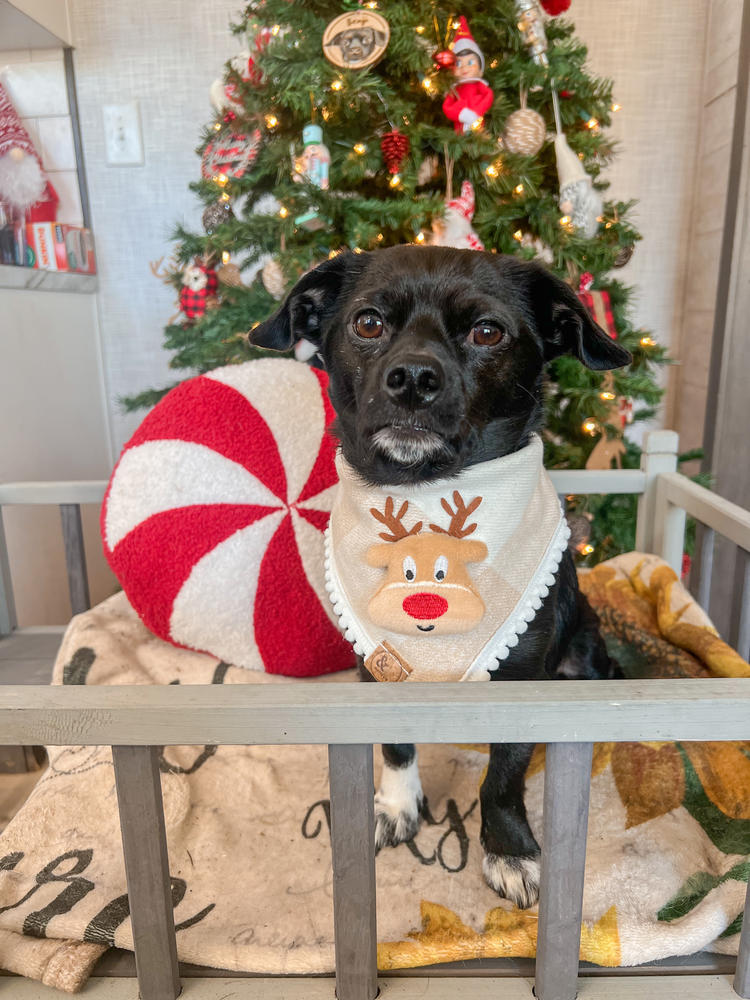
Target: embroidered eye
{"type": "Point", "coordinates": [487, 334]}
{"type": "Point", "coordinates": [368, 324]}
{"type": "Point", "coordinates": [410, 569]}
{"type": "Point", "coordinates": [441, 568]}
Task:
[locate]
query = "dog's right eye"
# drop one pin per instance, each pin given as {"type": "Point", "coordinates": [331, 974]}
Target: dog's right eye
{"type": "Point", "coordinates": [368, 325]}
{"type": "Point", "coordinates": [410, 569]}
{"type": "Point", "coordinates": [489, 335]}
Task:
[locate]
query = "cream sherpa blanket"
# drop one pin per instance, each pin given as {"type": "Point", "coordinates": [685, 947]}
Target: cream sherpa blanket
{"type": "Point", "coordinates": [248, 828]}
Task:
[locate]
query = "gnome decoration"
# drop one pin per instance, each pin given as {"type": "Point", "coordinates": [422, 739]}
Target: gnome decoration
{"type": "Point", "coordinates": [455, 229]}
{"type": "Point", "coordinates": [470, 97]}
{"type": "Point", "coordinates": [578, 199]}
{"type": "Point", "coordinates": [23, 183]}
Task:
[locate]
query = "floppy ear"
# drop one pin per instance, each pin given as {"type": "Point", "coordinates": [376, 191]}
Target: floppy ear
{"type": "Point", "coordinates": [566, 325]}
{"type": "Point", "coordinates": [303, 312]}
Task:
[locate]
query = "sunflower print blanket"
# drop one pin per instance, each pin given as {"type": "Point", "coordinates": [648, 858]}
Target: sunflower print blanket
{"type": "Point", "coordinates": [668, 853]}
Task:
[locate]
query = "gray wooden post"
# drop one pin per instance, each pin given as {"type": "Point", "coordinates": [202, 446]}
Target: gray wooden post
{"type": "Point", "coordinates": [659, 455]}
{"type": "Point", "coordinates": [739, 622]}
{"type": "Point", "coordinates": [7, 604]}
{"type": "Point", "coordinates": [353, 850]}
{"type": "Point", "coordinates": [144, 845]}
{"type": "Point", "coordinates": [75, 557]}
{"type": "Point", "coordinates": [567, 777]}
{"type": "Point", "coordinates": [742, 975]}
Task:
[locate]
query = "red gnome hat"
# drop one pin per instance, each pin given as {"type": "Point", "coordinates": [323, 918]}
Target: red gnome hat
{"type": "Point", "coordinates": [464, 41]}
{"type": "Point", "coordinates": [23, 183]}
{"type": "Point", "coordinates": [465, 202]}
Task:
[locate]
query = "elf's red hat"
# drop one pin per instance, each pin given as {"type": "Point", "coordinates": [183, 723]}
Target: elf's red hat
{"type": "Point", "coordinates": [464, 41]}
{"type": "Point", "coordinates": [465, 202]}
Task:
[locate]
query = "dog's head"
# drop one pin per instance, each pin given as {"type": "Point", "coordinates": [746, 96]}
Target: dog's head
{"type": "Point", "coordinates": [435, 356]}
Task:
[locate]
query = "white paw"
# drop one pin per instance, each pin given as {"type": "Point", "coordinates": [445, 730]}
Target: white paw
{"type": "Point", "coordinates": [398, 802]}
{"type": "Point", "coordinates": [514, 878]}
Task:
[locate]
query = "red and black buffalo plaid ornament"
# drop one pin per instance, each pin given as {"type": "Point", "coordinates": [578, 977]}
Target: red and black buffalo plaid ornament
{"type": "Point", "coordinates": [598, 304]}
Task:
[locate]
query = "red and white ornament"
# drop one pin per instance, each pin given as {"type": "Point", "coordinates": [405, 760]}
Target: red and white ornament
{"type": "Point", "coordinates": [199, 287]}
{"type": "Point", "coordinates": [230, 155]}
{"type": "Point", "coordinates": [213, 520]}
{"type": "Point", "coordinates": [470, 98]}
{"type": "Point", "coordinates": [455, 228]}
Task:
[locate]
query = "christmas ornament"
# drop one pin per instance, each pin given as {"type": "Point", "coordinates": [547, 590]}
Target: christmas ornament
{"type": "Point", "coordinates": [555, 7]}
{"type": "Point", "coordinates": [231, 155]}
{"type": "Point", "coordinates": [23, 183]}
{"type": "Point", "coordinates": [312, 166]}
{"type": "Point", "coordinates": [223, 93]}
{"type": "Point", "coordinates": [578, 198]}
{"type": "Point", "coordinates": [455, 229]}
{"type": "Point", "coordinates": [395, 147]}
{"type": "Point", "coordinates": [444, 59]}
{"type": "Point", "coordinates": [428, 170]}
{"type": "Point", "coordinates": [609, 449]}
{"type": "Point", "coordinates": [216, 215]}
{"type": "Point", "coordinates": [199, 286]}
{"type": "Point", "coordinates": [598, 304]}
{"type": "Point", "coordinates": [525, 131]}
{"type": "Point", "coordinates": [273, 279]}
{"type": "Point", "coordinates": [356, 40]}
{"type": "Point", "coordinates": [531, 26]}
{"type": "Point", "coordinates": [541, 250]}
{"type": "Point", "coordinates": [229, 274]}
{"type": "Point", "coordinates": [623, 255]}
{"type": "Point", "coordinates": [470, 97]}
{"type": "Point", "coordinates": [214, 516]}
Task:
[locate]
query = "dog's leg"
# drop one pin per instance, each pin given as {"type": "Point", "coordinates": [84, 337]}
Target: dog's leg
{"type": "Point", "coordinates": [398, 801]}
{"type": "Point", "coordinates": [511, 854]}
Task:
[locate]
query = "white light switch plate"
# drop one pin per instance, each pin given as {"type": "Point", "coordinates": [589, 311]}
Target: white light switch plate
{"type": "Point", "coordinates": [122, 135]}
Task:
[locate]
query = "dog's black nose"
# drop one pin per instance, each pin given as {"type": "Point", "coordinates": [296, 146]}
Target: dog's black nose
{"type": "Point", "coordinates": [414, 381]}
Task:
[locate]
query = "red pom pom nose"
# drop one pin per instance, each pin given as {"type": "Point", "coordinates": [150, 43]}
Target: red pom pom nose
{"type": "Point", "coordinates": [425, 607]}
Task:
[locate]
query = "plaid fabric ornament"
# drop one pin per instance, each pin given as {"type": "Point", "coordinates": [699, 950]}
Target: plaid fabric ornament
{"type": "Point", "coordinates": [200, 284]}
{"type": "Point", "coordinates": [598, 304]}
{"type": "Point", "coordinates": [230, 155]}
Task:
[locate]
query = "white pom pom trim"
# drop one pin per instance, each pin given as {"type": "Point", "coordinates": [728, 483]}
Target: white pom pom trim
{"type": "Point", "coordinates": [500, 645]}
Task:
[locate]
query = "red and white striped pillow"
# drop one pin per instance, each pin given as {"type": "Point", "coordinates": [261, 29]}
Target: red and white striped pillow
{"type": "Point", "coordinates": [214, 516]}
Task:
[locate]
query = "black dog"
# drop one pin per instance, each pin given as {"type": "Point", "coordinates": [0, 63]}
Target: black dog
{"type": "Point", "coordinates": [436, 360]}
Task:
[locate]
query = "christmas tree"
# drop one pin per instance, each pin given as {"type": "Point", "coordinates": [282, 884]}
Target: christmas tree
{"type": "Point", "coordinates": [392, 122]}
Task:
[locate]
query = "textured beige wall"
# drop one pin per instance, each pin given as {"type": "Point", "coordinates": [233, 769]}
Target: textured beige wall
{"type": "Point", "coordinates": [654, 52]}
{"type": "Point", "coordinates": [165, 53]}
{"type": "Point", "coordinates": [687, 400]}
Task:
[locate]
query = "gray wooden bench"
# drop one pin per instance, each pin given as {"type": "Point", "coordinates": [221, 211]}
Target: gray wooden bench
{"type": "Point", "coordinates": [350, 718]}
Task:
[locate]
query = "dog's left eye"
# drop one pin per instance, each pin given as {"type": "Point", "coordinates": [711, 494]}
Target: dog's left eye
{"type": "Point", "coordinates": [368, 325]}
{"type": "Point", "coordinates": [489, 335]}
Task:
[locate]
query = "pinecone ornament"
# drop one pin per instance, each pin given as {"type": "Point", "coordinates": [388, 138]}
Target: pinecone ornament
{"type": "Point", "coordinates": [273, 279]}
{"type": "Point", "coordinates": [229, 274]}
{"type": "Point", "coordinates": [395, 147]}
{"type": "Point", "coordinates": [216, 214]}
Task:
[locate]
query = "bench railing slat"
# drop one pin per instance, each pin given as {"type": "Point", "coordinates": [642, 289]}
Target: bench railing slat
{"type": "Point", "coordinates": [144, 843]}
{"type": "Point", "coordinates": [567, 779]}
{"type": "Point", "coordinates": [353, 859]}
{"type": "Point", "coordinates": [75, 557]}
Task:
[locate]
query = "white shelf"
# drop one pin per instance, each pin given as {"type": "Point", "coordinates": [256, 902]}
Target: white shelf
{"type": "Point", "coordinates": [46, 281]}
{"type": "Point", "coordinates": [34, 24]}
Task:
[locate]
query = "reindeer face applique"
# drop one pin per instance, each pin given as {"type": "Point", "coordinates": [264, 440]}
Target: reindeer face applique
{"type": "Point", "coordinates": [427, 587]}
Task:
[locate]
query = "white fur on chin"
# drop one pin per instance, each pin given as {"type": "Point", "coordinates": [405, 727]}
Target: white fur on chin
{"type": "Point", "coordinates": [407, 446]}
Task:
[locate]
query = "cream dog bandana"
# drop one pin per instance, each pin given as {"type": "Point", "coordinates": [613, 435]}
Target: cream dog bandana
{"type": "Point", "coordinates": [436, 582]}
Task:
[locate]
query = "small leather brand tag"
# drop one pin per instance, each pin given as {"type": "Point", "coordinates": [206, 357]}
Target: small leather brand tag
{"type": "Point", "coordinates": [385, 664]}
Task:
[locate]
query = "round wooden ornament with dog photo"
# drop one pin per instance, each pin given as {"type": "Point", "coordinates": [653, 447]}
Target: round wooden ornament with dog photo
{"type": "Point", "coordinates": [356, 39]}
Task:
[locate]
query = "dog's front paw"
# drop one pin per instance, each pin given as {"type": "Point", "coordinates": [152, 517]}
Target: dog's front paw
{"type": "Point", "coordinates": [513, 878]}
{"type": "Point", "coordinates": [393, 824]}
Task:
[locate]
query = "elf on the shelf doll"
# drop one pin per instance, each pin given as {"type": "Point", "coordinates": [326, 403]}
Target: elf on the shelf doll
{"type": "Point", "coordinates": [470, 97]}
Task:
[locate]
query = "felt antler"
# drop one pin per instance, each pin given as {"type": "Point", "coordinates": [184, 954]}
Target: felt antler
{"type": "Point", "coordinates": [394, 521]}
{"type": "Point", "coordinates": [458, 517]}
